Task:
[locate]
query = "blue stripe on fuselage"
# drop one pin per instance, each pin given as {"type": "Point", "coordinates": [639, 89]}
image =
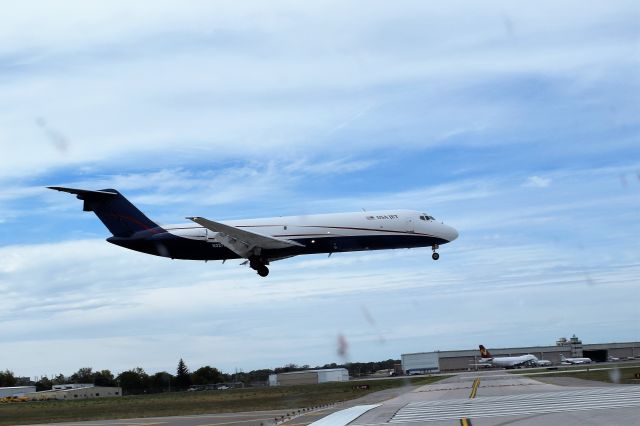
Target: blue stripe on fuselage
{"type": "Point", "coordinates": [176, 247]}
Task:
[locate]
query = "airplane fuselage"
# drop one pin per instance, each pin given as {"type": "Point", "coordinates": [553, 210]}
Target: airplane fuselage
{"type": "Point", "coordinates": [576, 360]}
{"type": "Point", "coordinates": [324, 233]}
{"type": "Point", "coordinates": [512, 361]}
{"type": "Point", "coordinates": [508, 361]}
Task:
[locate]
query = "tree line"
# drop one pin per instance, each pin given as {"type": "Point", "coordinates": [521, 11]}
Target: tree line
{"type": "Point", "coordinates": [137, 381]}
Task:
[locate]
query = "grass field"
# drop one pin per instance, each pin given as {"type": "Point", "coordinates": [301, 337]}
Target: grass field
{"type": "Point", "coordinates": [623, 373]}
{"type": "Point", "coordinates": [180, 403]}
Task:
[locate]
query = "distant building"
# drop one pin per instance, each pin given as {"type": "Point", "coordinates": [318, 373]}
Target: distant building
{"type": "Point", "coordinates": [76, 393]}
{"type": "Point", "coordinates": [431, 362]}
{"type": "Point", "coordinates": [308, 377]}
{"type": "Point", "coordinates": [16, 391]}
{"type": "Point", "coordinates": [421, 363]}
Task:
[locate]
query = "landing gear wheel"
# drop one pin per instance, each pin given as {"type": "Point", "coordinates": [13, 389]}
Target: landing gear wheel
{"type": "Point", "coordinates": [259, 265]}
{"type": "Point", "coordinates": [435, 255]}
{"type": "Point", "coordinates": [263, 271]}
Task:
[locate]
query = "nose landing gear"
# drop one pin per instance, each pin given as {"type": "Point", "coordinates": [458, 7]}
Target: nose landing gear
{"type": "Point", "coordinates": [435, 255]}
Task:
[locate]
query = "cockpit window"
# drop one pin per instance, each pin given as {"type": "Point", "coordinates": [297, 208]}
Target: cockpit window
{"type": "Point", "coordinates": [425, 216]}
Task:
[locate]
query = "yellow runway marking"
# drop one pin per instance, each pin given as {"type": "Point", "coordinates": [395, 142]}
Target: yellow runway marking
{"type": "Point", "coordinates": [474, 390]}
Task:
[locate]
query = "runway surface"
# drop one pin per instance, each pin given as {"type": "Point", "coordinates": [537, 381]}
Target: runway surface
{"type": "Point", "coordinates": [496, 398]}
{"type": "Point", "coordinates": [478, 399]}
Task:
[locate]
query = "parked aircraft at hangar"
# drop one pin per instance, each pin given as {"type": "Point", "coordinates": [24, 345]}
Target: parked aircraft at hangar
{"type": "Point", "coordinates": [262, 241]}
{"type": "Point", "coordinates": [565, 360]}
{"type": "Point", "coordinates": [511, 361]}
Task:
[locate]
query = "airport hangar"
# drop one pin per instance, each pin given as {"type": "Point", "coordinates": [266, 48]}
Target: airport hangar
{"type": "Point", "coordinates": [434, 362]}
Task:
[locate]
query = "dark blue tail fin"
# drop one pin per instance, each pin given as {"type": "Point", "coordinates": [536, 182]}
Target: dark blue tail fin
{"type": "Point", "coordinates": [121, 217]}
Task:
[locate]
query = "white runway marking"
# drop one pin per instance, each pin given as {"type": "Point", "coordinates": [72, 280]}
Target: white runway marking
{"type": "Point", "coordinates": [520, 405]}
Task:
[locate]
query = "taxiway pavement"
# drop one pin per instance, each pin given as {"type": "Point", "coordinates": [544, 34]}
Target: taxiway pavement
{"type": "Point", "coordinates": [498, 398]}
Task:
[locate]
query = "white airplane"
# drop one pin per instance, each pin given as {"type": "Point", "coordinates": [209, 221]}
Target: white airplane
{"type": "Point", "coordinates": [508, 361]}
{"type": "Point", "coordinates": [262, 241]}
{"type": "Point", "coordinates": [564, 360]}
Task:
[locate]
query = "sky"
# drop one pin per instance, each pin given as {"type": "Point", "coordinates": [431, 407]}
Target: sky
{"type": "Point", "coordinates": [516, 123]}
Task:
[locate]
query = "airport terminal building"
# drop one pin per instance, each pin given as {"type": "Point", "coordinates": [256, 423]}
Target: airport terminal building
{"type": "Point", "coordinates": [434, 362]}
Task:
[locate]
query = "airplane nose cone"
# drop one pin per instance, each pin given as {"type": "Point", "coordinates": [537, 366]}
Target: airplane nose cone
{"type": "Point", "coordinates": [450, 233]}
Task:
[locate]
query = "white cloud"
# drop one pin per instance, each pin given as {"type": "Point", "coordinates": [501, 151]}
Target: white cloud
{"type": "Point", "coordinates": [226, 80]}
{"type": "Point", "coordinates": [182, 308]}
{"type": "Point", "coordinates": [537, 182]}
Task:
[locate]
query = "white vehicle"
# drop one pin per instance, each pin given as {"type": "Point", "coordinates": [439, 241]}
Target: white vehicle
{"type": "Point", "coordinates": [261, 241]}
{"type": "Point", "coordinates": [569, 361]}
{"type": "Point", "coordinates": [507, 361]}
{"type": "Point", "coordinates": [543, 363]}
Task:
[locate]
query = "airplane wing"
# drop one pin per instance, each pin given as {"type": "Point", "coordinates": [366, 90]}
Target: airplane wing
{"type": "Point", "coordinates": [243, 243]}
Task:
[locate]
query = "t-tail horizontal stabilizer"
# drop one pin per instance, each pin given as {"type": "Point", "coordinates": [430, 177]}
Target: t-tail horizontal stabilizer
{"type": "Point", "coordinates": [121, 217]}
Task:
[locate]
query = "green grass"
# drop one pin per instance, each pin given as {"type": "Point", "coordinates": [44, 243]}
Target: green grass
{"type": "Point", "coordinates": [612, 373]}
{"type": "Point", "coordinates": [181, 403]}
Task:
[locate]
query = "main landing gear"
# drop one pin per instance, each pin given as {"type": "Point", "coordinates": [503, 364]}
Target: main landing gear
{"type": "Point", "coordinates": [435, 255]}
{"type": "Point", "coordinates": [259, 265]}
